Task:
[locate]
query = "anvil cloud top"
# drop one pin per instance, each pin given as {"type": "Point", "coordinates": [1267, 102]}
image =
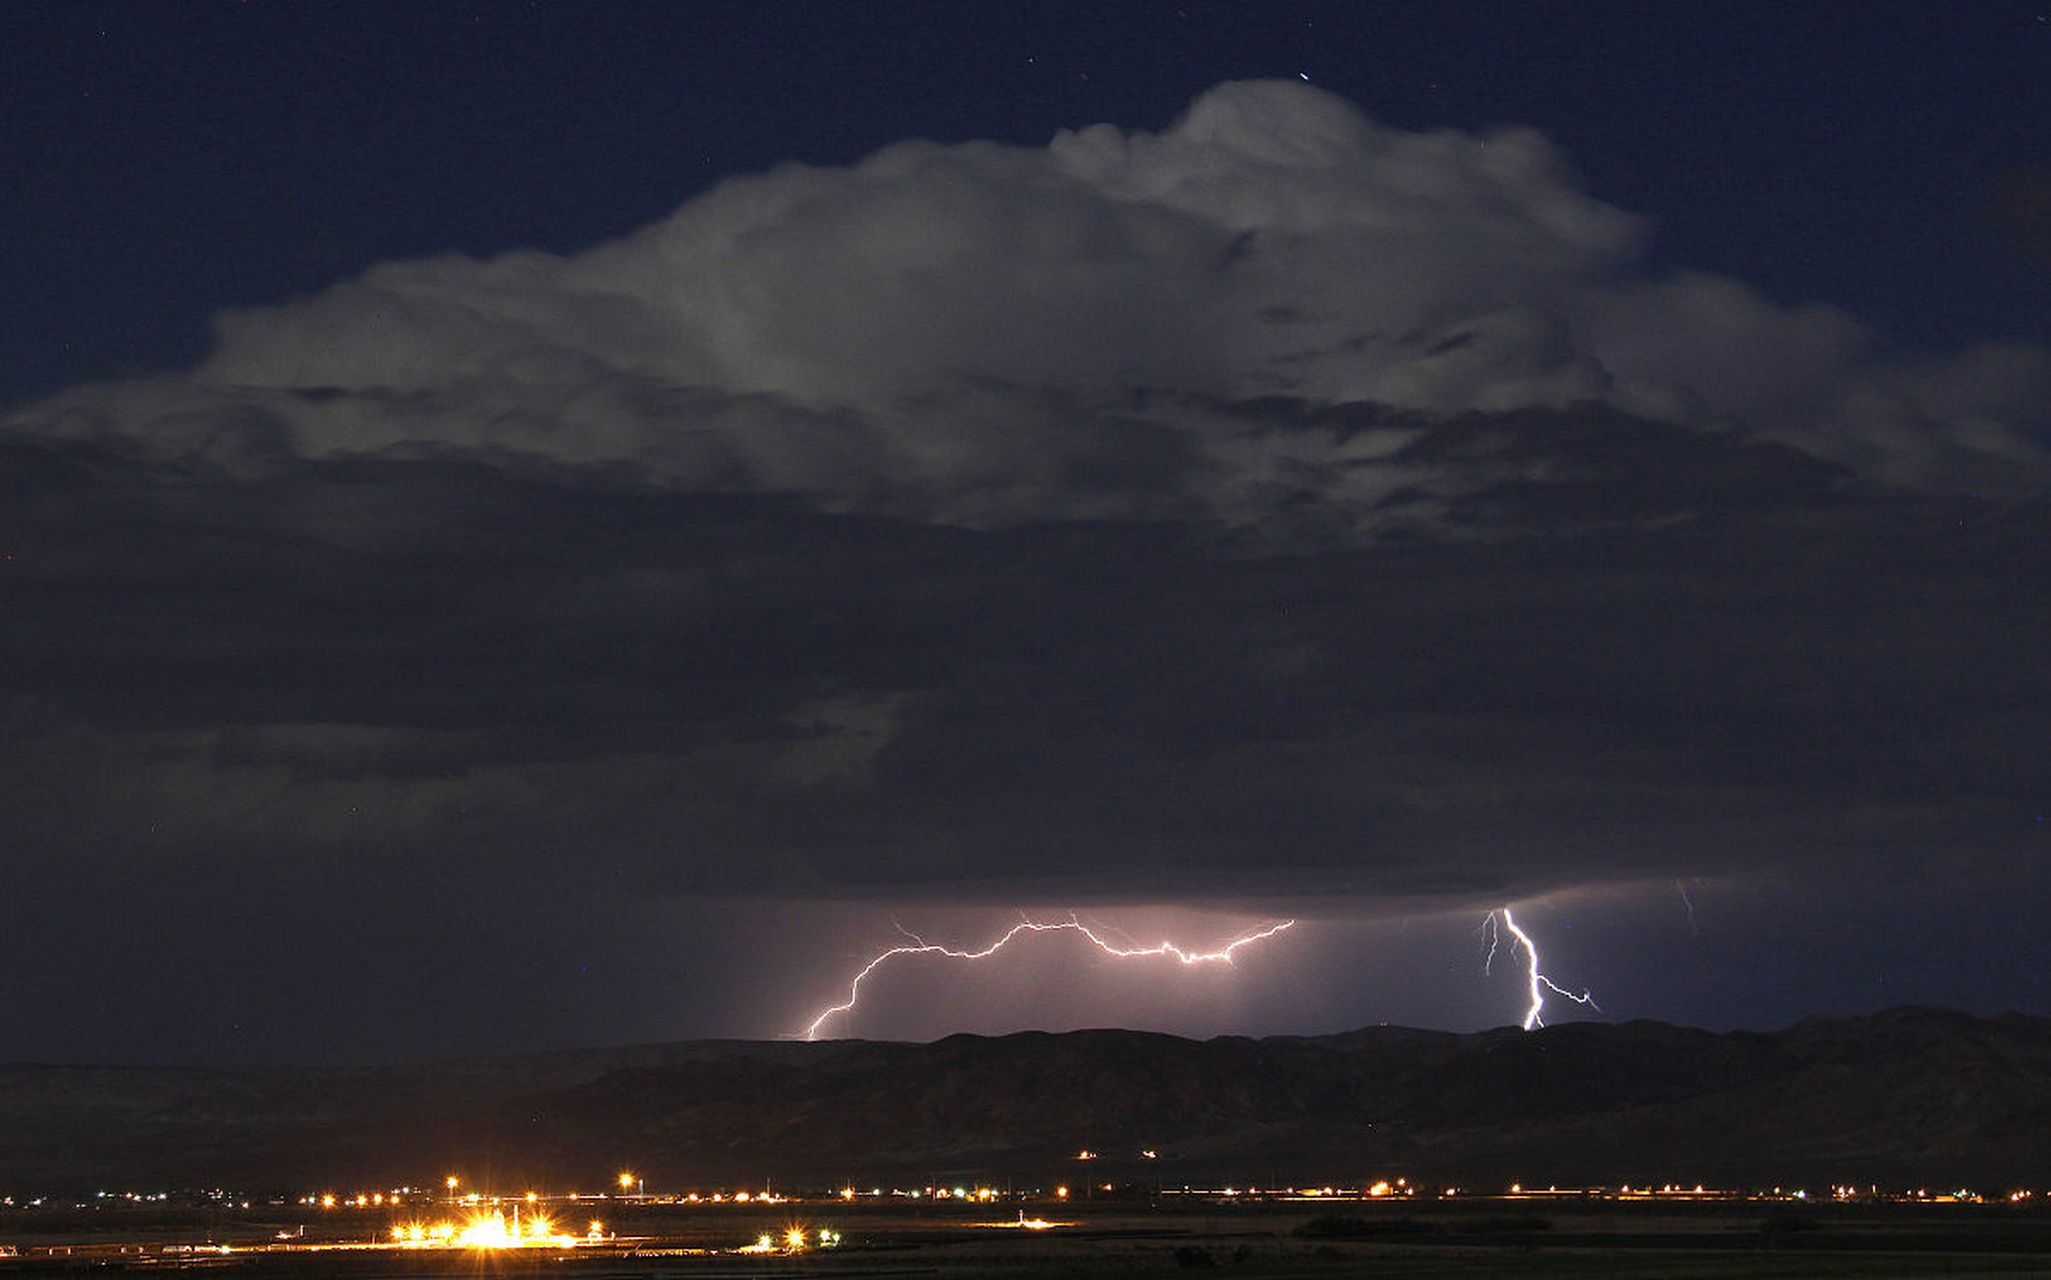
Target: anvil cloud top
{"type": "Point", "coordinates": [1275, 511]}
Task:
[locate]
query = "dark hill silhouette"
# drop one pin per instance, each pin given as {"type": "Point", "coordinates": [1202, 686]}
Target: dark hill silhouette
{"type": "Point", "coordinates": [1910, 1095]}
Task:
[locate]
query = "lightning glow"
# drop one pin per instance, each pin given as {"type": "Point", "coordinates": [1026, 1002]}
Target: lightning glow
{"type": "Point", "coordinates": [1688, 903]}
{"type": "Point", "coordinates": [1536, 982]}
{"type": "Point", "coordinates": [920, 947]}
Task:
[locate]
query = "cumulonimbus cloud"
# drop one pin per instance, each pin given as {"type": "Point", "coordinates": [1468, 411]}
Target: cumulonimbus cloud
{"type": "Point", "coordinates": [1277, 490]}
{"type": "Point", "coordinates": [985, 334]}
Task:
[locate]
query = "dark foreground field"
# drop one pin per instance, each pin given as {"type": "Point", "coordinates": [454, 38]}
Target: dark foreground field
{"type": "Point", "coordinates": [1265, 1241]}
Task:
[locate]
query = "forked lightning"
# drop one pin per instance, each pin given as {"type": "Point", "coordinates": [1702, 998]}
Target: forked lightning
{"type": "Point", "coordinates": [1536, 981]}
{"type": "Point", "coordinates": [920, 947]}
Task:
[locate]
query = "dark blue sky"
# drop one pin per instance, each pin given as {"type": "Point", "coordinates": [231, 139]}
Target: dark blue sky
{"type": "Point", "coordinates": [164, 161]}
{"type": "Point", "coordinates": [1315, 499]}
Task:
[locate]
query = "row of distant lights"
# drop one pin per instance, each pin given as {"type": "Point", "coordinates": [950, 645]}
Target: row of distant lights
{"type": "Point", "coordinates": [1374, 1190]}
{"type": "Point", "coordinates": [398, 1196]}
{"type": "Point", "coordinates": [1401, 1187]}
{"type": "Point", "coordinates": [133, 1197]}
{"type": "Point", "coordinates": [375, 1199]}
{"type": "Point", "coordinates": [628, 1181]}
{"type": "Point", "coordinates": [1838, 1192]}
{"type": "Point", "coordinates": [982, 1195]}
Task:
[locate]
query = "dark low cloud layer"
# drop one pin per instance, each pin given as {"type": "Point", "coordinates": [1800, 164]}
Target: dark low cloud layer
{"type": "Point", "coordinates": [1277, 508]}
{"type": "Point", "coordinates": [1593, 678]}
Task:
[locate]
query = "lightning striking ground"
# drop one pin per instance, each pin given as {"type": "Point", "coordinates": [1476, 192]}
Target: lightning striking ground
{"type": "Point", "coordinates": [920, 946]}
{"type": "Point", "coordinates": [1537, 983]}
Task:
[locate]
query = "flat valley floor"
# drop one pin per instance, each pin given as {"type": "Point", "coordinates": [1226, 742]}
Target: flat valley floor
{"type": "Point", "coordinates": [1266, 1241]}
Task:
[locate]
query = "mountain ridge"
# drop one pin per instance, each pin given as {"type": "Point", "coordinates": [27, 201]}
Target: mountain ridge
{"type": "Point", "coordinates": [1905, 1096]}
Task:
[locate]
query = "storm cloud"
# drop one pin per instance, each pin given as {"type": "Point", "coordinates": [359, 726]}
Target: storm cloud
{"type": "Point", "coordinates": [1282, 503]}
{"type": "Point", "coordinates": [979, 334]}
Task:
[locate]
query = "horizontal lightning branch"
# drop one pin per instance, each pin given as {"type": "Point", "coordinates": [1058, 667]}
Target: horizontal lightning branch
{"type": "Point", "coordinates": [920, 947]}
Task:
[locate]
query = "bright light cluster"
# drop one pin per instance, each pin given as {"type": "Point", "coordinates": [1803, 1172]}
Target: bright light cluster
{"type": "Point", "coordinates": [795, 1239]}
{"type": "Point", "coordinates": [738, 1197]}
{"type": "Point", "coordinates": [486, 1231]}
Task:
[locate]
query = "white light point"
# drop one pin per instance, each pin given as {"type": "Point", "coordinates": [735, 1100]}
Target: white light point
{"type": "Point", "coordinates": [920, 947]}
{"type": "Point", "coordinates": [1536, 981]}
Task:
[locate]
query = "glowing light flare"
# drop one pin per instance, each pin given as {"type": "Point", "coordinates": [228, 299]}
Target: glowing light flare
{"type": "Point", "coordinates": [920, 947]}
{"type": "Point", "coordinates": [795, 1238]}
{"type": "Point", "coordinates": [1025, 1224]}
{"type": "Point", "coordinates": [1536, 983]}
{"type": "Point", "coordinates": [487, 1231]}
{"type": "Point", "coordinates": [491, 1230]}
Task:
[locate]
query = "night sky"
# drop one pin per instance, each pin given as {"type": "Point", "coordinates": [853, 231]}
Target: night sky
{"type": "Point", "coordinates": [540, 525]}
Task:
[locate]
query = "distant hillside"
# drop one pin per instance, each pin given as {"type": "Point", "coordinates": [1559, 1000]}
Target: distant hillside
{"type": "Point", "coordinates": [1911, 1094]}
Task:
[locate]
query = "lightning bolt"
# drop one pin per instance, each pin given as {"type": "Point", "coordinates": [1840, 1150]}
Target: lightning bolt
{"type": "Point", "coordinates": [920, 947]}
{"type": "Point", "coordinates": [1536, 981]}
{"type": "Point", "coordinates": [1689, 903]}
